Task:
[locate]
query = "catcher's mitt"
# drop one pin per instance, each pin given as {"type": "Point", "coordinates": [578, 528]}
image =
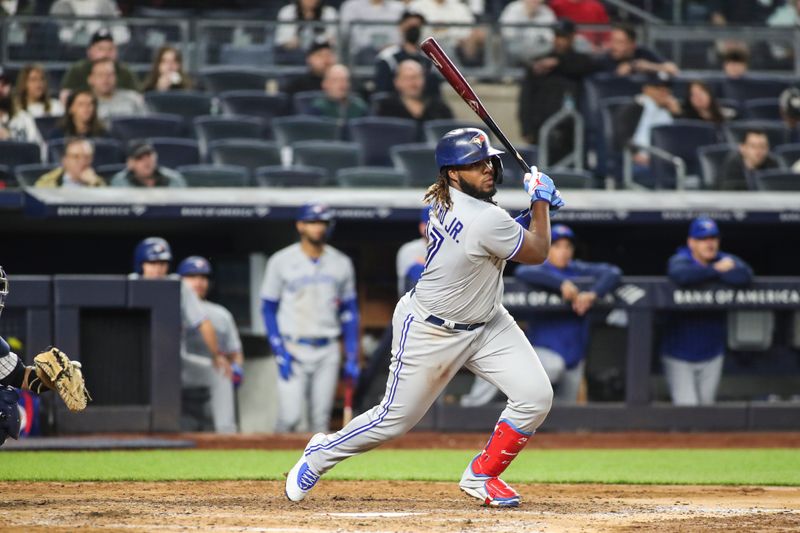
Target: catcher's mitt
{"type": "Point", "coordinates": [55, 371]}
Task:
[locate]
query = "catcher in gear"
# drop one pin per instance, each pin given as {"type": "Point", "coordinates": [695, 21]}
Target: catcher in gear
{"type": "Point", "coordinates": [51, 369]}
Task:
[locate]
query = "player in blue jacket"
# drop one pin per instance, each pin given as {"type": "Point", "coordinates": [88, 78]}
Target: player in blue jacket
{"type": "Point", "coordinates": [693, 344]}
{"type": "Point", "coordinates": [560, 339]}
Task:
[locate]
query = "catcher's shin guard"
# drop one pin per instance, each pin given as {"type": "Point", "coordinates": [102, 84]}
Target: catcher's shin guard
{"type": "Point", "coordinates": [480, 479]}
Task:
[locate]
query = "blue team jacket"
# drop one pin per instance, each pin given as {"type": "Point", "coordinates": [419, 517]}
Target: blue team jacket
{"type": "Point", "coordinates": [699, 336]}
{"type": "Point", "coordinates": [565, 333]}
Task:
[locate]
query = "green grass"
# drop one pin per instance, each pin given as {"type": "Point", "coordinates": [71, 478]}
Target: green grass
{"type": "Point", "coordinates": [715, 467]}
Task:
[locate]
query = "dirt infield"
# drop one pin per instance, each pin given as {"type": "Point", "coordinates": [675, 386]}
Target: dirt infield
{"type": "Point", "coordinates": [391, 506]}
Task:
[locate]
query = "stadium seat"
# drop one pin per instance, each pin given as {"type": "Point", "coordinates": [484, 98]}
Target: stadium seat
{"type": "Point", "coordinates": [377, 134]}
{"type": "Point", "coordinates": [176, 152]}
{"type": "Point", "coordinates": [188, 104]}
{"type": "Point", "coordinates": [106, 151]}
{"type": "Point", "coordinates": [777, 180]}
{"type": "Point", "coordinates": [571, 179]}
{"type": "Point", "coordinates": [13, 153]}
{"type": "Point", "coordinates": [256, 55]}
{"type": "Point", "coordinates": [295, 128]}
{"type": "Point", "coordinates": [743, 89]}
{"type": "Point", "coordinates": [762, 109]}
{"type": "Point", "coordinates": [776, 132]}
{"type": "Point", "coordinates": [512, 173]}
{"type": "Point", "coordinates": [28, 174]}
{"type": "Point", "coordinates": [371, 177]}
{"type": "Point", "coordinates": [301, 101]}
{"type": "Point", "coordinates": [141, 127]}
{"type": "Point", "coordinates": [787, 154]}
{"type": "Point", "coordinates": [375, 100]}
{"type": "Point", "coordinates": [609, 143]}
{"type": "Point", "coordinates": [330, 155]}
{"type": "Point", "coordinates": [249, 153]}
{"type": "Point", "coordinates": [417, 161]}
{"type": "Point", "coordinates": [46, 124]}
{"type": "Point", "coordinates": [220, 79]}
{"type": "Point", "coordinates": [294, 176]}
{"type": "Point", "coordinates": [435, 129]}
{"type": "Point", "coordinates": [711, 159]}
{"type": "Point", "coordinates": [254, 104]}
{"type": "Point", "coordinates": [108, 171]}
{"type": "Point", "coordinates": [214, 175]}
{"type": "Point", "coordinates": [681, 138]}
{"type": "Point", "coordinates": [218, 128]}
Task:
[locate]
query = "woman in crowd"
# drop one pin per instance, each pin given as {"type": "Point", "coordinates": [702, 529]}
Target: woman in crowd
{"type": "Point", "coordinates": [167, 73]}
{"type": "Point", "coordinates": [32, 93]}
{"type": "Point", "coordinates": [80, 119]}
{"type": "Point", "coordinates": [701, 104]}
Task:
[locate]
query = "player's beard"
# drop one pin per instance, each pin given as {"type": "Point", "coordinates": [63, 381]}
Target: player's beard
{"type": "Point", "coordinates": [474, 191]}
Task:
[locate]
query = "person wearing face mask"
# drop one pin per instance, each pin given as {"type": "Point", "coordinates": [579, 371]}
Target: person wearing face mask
{"type": "Point", "coordinates": [410, 29]}
{"type": "Point", "coordinates": [693, 343]}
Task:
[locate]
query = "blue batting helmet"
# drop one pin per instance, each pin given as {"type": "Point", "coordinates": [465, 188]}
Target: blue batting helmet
{"type": "Point", "coordinates": [315, 213]}
{"type": "Point", "coordinates": [3, 288]}
{"type": "Point", "coordinates": [194, 265]}
{"type": "Point", "coordinates": [9, 414]}
{"type": "Point", "coordinates": [150, 250]}
{"type": "Point", "coordinates": [465, 146]}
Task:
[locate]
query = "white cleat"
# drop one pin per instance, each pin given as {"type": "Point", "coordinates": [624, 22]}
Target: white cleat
{"type": "Point", "coordinates": [301, 478]}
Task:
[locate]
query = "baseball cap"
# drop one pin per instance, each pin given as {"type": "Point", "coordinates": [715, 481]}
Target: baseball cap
{"type": "Point", "coordinates": [407, 14]}
{"type": "Point", "coordinates": [102, 34]}
{"type": "Point", "coordinates": [657, 79]}
{"type": "Point", "coordinates": [703, 228]}
{"type": "Point", "coordinates": [317, 45]}
{"type": "Point", "coordinates": [194, 265]}
{"type": "Point", "coordinates": [137, 149]}
{"type": "Point", "coordinates": [560, 231]}
{"type": "Point", "coordinates": [564, 27]}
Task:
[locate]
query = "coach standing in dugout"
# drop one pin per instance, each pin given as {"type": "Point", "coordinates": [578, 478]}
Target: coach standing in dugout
{"type": "Point", "coordinates": [693, 344]}
{"type": "Point", "coordinates": [308, 301]}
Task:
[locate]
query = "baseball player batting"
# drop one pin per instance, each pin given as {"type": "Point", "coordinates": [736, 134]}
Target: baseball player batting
{"type": "Point", "coordinates": [454, 318]}
{"type": "Point", "coordinates": [51, 370]}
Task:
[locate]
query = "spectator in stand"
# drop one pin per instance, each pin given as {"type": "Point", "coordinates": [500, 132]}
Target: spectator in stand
{"type": "Point", "coordinates": [738, 12]}
{"type": "Point", "coordinates": [143, 169]}
{"type": "Point", "coordinates": [583, 12]}
{"type": "Point", "coordinates": [467, 43]}
{"type": "Point", "coordinates": [296, 37]}
{"type": "Point", "coordinates": [693, 344]}
{"type": "Point", "coordinates": [701, 104]}
{"type": "Point", "coordinates": [786, 15]}
{"type": "Point", "coordinates": [319, 59]}
{"type": "Point", "coordinates": [410, 30]}
{"type": "Point", "coordinates": [789, 103]}
{"type": "Point", "coordinates": [76, 167]}
{"type": "Point", "coordinates": [18, 124]}
{"type": "Point", "coordinates": [101, 46]}
{"type": "Point", "coordinates": [113, 101]}
{"type": "Point", "coordinates": [560, 339]}
{"type": "Point", "coordinates": [625, 57]}
{"type": "Point", "coordinates": [655, 106]}
{"type": "Point", "coordinates": [367, 41]}
{"type": "Point", "coordinates": [32, 93]}
{"type": "Point", "coordinates": [338, 102]}
{"type": "Point", "coordinates": [738, 170]}
{"type": "Point", "coordinates": [525, 43]}
{"type": "Point", "coordinates": [735, 62]}
{"type": "Point", "coordinates": [410, 101]}
{"type": "Point", "coordinates": [80, 118]}
{"type": "Point", "coordinates": [167, 73]}
{"type": "Point", "coordinates": [86, 9]}
{"type": "Point", "coordinates": [548, 81]}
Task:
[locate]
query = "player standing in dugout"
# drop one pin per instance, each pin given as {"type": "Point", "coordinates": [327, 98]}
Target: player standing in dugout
{"type": "Point", "coordinates": [454, 317]}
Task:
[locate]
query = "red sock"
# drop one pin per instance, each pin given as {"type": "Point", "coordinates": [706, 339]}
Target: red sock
{"type": "Point", "coordinates": [503, 446]}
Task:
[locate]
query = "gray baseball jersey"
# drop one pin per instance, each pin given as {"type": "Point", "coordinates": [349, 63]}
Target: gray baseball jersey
{"type": "Point", "coordinates": [224, 326]}
{"type": "Point", "coordinates": [410, 254]}
{"type": "Point", "coordinates": [192, 313]}
{"type": "Point", "coordinates": [309, 291]}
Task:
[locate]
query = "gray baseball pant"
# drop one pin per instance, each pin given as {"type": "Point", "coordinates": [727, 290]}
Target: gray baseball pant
{"type": "Point", "coordinates": [692, 383]}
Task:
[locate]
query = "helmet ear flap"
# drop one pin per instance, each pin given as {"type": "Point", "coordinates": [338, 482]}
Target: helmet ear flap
{"type": "Point", "coordinates": [497, 165]}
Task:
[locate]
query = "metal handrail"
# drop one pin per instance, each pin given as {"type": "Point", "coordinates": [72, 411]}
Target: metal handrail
{"type": "Point", "coordinates": [654, 151]}
{"type": "Point", "coordinates": [575, 157]}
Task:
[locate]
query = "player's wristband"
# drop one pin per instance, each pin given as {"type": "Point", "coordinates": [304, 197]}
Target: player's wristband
{"type": "Point", "coordinates": [524, 218]}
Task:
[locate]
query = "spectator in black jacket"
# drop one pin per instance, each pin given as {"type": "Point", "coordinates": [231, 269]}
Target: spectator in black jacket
{"type": "Point", "coordinates": [738, 170]}
{"type": "Point", "coordinates": [319, 59]}
{"type": "Point", "coordinates": [410, 29]}
{"type": "Point", "coordinates": [410, 101]}
{"type": "Point", "coordinates": [625, 57]}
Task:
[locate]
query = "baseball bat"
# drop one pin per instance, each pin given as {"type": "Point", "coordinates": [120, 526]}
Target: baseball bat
{"type": "Point", "coordinates": [347, 416]}
{"type": "Point", "coordinates": [457, 81]}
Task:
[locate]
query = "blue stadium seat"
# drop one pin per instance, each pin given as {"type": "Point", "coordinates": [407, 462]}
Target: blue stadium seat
{"type": "Point", "coordinates": [571, 179]}
{"type": "Point", "coordinates": [254, 104]}
{"type": "Point", "coordinates": [248, 153]}
{"type": "Point", "coordinates": [776, 131]}
{"type": "Point", "coordinates": [13, 153]}
{"type": "Point", "coordinates": [220, 79]}
{"type": "Point", "coordinates": [295, 128]}
{"type": "Point", "coordinates": [188, 104]}
{"type": "Point", "coordinates": [743, 89]}
{"type": "Point", "coordinates": [106, 151]}
{"type": "Point", "coordinates": [218, 128]}
{"type": "Point", "coordinates": [711, 159]}
{"type": "Point", "coordinates": [777, 180]}
{"type": "Point", "coordinates": [301, 101]}
{"type": "Point", "coordinates": [176, 152]}
{"type": "Point", "coordinates": [435, 129]}
{"type": "Point", "coordinates": [141, 127]}
{"type": "Point", "coordinates": [371, 177]}
{"type": "Point", "coordinates": [787, 154]}
{"type": "Point", "coordinates": [609, 143]}
{"type": "Point", "coordinates": [375, 100]}
{"type": "Point", "coordinates": [214, 175]}
{"type": "Point", "coordinates": [294, 176]}
{"type": "Point", "coordinates": [417, 161]}
{"type": "Point", "coordinates": [28, 174]}
{"type": "Point", "coordinates": [762, 109]}
{"type": "Point", "coordinates": [330, 155]}
{"type": "Point", "coordinates": [681, 138]}
{"type": "Point", "coordinates": [256, 55]}
{"type": "Point", "coordinates": [512, 173]}
{"type": "Point", "coordinates": [108, 171]}
{"type": "Point", "coordinates": [46, 124]}
{"type": "Point", "coordinates": [377, 134]}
